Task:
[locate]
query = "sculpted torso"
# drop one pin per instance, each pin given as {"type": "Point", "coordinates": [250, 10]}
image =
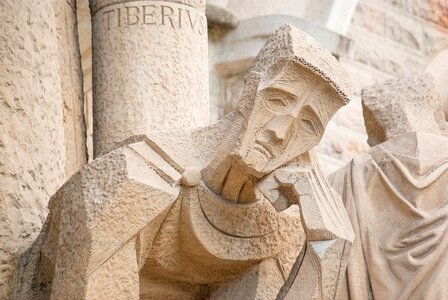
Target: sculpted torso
{"type": "Point", "coordinates": [396, 195]}
{"type": "Point", "coordinates": [237, 210]}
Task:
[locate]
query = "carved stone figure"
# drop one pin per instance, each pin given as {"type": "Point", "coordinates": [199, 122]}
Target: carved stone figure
{"type": "Point", "coordinates": [396, 195]}
{"type": "Point", "coordinates": [235, 210]}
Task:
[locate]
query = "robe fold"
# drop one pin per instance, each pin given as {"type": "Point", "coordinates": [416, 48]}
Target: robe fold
{"type": "Point", "coordinates": [396, 196]}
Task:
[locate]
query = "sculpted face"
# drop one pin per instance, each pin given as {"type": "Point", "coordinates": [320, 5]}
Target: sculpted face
{"type": "Point", "coordinates": [288, 118]}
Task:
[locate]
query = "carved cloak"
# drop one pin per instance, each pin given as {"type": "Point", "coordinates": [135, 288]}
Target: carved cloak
{"type": "Point", "coordinates": [396, 196]}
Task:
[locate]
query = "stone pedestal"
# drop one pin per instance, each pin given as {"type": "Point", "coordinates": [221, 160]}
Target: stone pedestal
{"type": "Point", "coordinates": [149, 68]}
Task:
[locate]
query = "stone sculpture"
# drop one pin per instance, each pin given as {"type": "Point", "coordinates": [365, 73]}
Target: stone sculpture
{"type": "Point", "coordinates": [396, 195]}
{"type": "Point", "coordinates": [235, 210]}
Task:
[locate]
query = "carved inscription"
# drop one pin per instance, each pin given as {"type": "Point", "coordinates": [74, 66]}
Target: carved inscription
{"type": "Point", "coordinates": [158, 13]}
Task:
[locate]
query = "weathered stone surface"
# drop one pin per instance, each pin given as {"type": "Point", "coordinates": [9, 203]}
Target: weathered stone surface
{"type": "Point", "coordinates": [232, 55]}
{"type": "Point", "coordinates": [97, 5]}
{"type": "Point", "coordinates": [193, 214]}
{"type": "Point", "coordinates": [385, 56]}
{"type": "Point", "coordinates": [362, 75]}
{"type": "Point", "coordinates": [33, 158]}
{"type": "Point", "coordinates": [435, 11]}
{"type": "Point", "coordinates": [390, 39]}
{"type": "Point", "coordinates": [405, 29]}
{"type": "Point", "coordinates": [71, 81]}
{"type": "Point", "coordinates": [85, 49]}
{"type": "Point", "coordinates": [396, 195]}
{"type": "Point", "coordinates": [389, 24]}
{"type": "Point", "coordinates": [395, 23]}
{"type": "Point", "coordinates": [412, 106]}
{"type": "Point", "coordinates": [137, 87]}
{"type": "Point", "coordinates": [334, 15]}
{"type": "Point", "coordinates": [438, 68]}
{"type": "Point", "coordinates": [435, 40]}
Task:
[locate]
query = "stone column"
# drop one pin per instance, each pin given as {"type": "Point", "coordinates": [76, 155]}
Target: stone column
{"type": "Point", "coordinates": [71, 81]}
{"type": "Point", "coordinates": [150, 67]}
{"type": "Point", "coordinates": [32, 141]}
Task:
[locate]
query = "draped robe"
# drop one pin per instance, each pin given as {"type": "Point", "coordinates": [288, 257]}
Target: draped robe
{"type": "Point", "coordinates": [396, 196]}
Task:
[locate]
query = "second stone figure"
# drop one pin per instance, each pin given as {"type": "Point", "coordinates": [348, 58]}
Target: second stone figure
{"type": "Point", "coordinates": [396, 195]}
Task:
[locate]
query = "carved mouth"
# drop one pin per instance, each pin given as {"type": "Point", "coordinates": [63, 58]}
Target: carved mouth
{"type": "Point", "coordinates": [264, 148]}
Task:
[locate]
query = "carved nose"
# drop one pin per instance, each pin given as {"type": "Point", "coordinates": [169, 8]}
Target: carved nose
{"type": "Point", "coordinates": [279, 128]}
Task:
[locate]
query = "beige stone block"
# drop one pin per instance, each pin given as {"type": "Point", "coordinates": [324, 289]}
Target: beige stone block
{"type": "Point", "coordinates": [330, 14]}
{"type": "Point", "coordinates": [435, 40]}
{"type": "Point", "coordinates": [406, 29]}
{"type": "Point", "coordinates": [388, 57]}
{"type": "Point", "coordinates": [32, 140]}
{"type": "Point", "coordinates": [390, 24]}
{"type": "Point", "coordinates": [435, 11]}
{"type": "Point", "coordinates": [96, 5]}
{"type": "Point", "coordinates": [362, 74]}
{"type": "Point", "coordinates": [71, 85]}
{"type": "Point", "coordinates": [438, 68]}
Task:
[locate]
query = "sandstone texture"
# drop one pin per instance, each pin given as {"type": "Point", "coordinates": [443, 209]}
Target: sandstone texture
{"type": "Point", "coordinates": [391, 38]}
{"type": "Point", "coordinates": [395, 195]}
{"type": "Point", "coordinates": [41, 127]}
{"type": "Point", "coordinates": [136, 87]}
{"type": "Point", "coordinates": [438, 68]}
{"type": "Point", "coordinates": [71, 80]}
{"type": "Point", "coordinates": [239, 209]}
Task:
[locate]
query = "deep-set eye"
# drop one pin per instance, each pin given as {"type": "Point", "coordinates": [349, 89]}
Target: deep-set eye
{"type": "Point", "coordinates": [308, 125]}
{"type": "Point", "coordinates": [277, 102]}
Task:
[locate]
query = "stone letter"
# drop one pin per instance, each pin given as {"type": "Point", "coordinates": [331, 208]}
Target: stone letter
{"type": "Point", "coordinates": [108, 12]}
{"type": "Point", "coordinates": [169, 16]}
{"type": "Point", "coordinates": [192, 23]}
{"type": "Point", "coordinates": [134, 15]}
{"type": "Point", "coordinates": [151, 15]}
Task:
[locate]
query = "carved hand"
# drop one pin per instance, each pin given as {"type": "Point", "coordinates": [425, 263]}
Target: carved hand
{"type": "Point", "coordinates": [282, 186]}
{"type": "Point", "coordinates": [327, 229]}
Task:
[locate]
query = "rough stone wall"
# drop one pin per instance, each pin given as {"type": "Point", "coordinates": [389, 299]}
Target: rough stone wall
{"type": "Point", "coordinates": [38, 112]}
{"type": "Point", "coordinates": [392, 38]}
